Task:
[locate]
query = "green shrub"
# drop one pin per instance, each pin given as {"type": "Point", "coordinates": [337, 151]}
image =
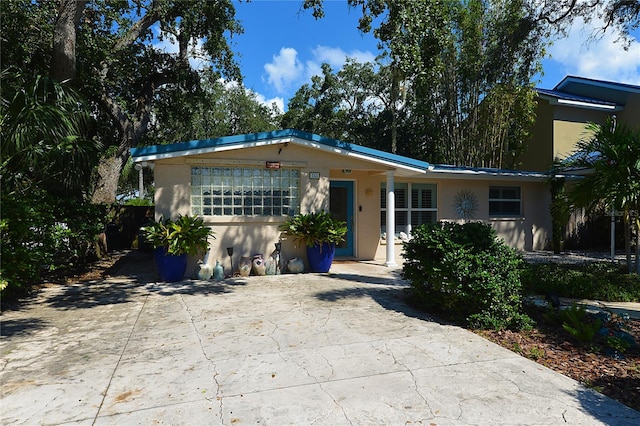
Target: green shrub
{"type": "Point", "coordinates": [41, 233]}
{"type": "Point", "coordinates": [598, 281]}
{"type": "Point", "coordinates": [467, 274]}
{"type": "Point", "coordinates": [574, 321]}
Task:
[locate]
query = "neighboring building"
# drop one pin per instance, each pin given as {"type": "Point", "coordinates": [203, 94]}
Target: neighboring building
{"type": "Point", "coordinates": [245, 186]}
{"type": "Point", "coordinates": [563, 113]}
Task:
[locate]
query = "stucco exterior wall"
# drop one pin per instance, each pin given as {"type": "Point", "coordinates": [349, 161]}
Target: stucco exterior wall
{"type": "Point", "coordinates": [631, 112]}
{"type": "Point", "coordinates": [569, 128]}
{"type": "Point", "coordinates": [252, 235]}
{"type": "Point", "coordinates": [530, 232]}
{"type": "Point", "coordinates": [539, 148]}
{"type": "Point", "coordinates": [249, 235]}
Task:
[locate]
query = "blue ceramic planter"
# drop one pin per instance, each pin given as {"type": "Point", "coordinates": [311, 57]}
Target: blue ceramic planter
{"type": "Point", "coordinates": [321, 257]}
{"type": "Point", "coordinates": [171, 268]}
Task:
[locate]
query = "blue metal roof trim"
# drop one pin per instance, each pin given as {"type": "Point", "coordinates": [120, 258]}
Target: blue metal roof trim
{"type": "Point", "coordinates": [570, 97]}
{"type": "Point", "coordinates": [575, 79]}
{"type": "Point", "coordinates": [507, 172]}
{"type": "Point", "coordinates": [362, 150]}
{"type": "Point", "coordinates": [208, 143]}
{"type": "Point", "coordinates": [263, 136]}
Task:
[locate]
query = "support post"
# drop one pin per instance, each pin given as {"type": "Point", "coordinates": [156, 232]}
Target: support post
{"type": "Point", "coordinates": [391, 225]}
{"type": "Point", "coordinates": [613, 234]}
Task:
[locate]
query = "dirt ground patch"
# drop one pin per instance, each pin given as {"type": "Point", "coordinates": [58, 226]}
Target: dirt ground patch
{"type": "Point", "coordinates": [555, 348]}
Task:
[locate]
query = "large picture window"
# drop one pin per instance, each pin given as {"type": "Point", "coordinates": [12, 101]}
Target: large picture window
{"type": "Point", "coordinates": [415, 204]}
{"type": "Point", "coordinates": [505, 201]}
{"type": "Point", "coordinates": [244, 191]}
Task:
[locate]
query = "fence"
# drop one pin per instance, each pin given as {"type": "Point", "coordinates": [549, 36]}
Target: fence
{"type": "Point", "coordinates": [122, 231]}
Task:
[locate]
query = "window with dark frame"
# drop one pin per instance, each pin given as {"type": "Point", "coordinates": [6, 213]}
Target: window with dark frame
{"type": "Point", "coordinates": [505, 201]}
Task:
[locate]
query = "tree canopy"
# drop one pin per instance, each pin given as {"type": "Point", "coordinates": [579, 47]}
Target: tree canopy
{"type": "Point", "coordinates": [121, 56]}
{"type": "Point", "coordinates": [610, 159]}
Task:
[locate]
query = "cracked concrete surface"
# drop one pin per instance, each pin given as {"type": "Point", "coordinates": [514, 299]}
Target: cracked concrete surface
{"type": "Point", "coordinates": [314, 349]}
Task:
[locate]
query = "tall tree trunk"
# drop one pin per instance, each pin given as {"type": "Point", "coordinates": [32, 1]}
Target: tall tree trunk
{"type": "Point", "coordinates": [108, 176]}
{"type": "Point", "coordinates": [63, 63]}
{"type": "Point", "coordinates": [395, 86]}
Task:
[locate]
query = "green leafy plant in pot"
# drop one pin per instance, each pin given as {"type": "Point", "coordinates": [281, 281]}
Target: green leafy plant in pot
{"type": "Point", "coordinates": [174, 241]}
{"type": "Point", "coordinates": [320, 233]}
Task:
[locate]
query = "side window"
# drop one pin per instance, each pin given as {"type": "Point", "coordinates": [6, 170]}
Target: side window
{"type": "Point", "coordinates": [505, 201]}
{"type": "Point", "coordinates": [416, 204]}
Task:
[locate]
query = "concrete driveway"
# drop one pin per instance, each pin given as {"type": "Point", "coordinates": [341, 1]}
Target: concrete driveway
{"type": "Point", "coordinates": [313, 349]}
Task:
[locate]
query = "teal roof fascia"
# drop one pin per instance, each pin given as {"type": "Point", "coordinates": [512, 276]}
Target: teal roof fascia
{"type": "Point", "coordinates": [239, 140]}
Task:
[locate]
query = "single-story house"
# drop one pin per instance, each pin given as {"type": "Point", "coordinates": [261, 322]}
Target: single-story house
{"type": "Point", "coordinates": [245, 186]}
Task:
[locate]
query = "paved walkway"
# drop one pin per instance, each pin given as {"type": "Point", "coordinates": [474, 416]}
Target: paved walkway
{"type": "Point", "coordinates": [332, 349]}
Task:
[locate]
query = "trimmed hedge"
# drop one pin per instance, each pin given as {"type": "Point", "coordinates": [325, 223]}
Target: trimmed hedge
{"type": "Point", "coordinates": [466, 274]}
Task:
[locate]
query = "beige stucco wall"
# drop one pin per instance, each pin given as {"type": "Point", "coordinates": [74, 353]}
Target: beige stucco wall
{"type": "Point", "coordinates": [252, 235]}
{"type": "Point", "coordinates": [530, 232]}
{"type": "Point", "coordinates": [569, 127]}
{"type": "Point", "coordinates": [631, 112]}
{"type": "Point", "coordinates": [539, 148]}
{"type": "Point", "coordinates": [558, 128]}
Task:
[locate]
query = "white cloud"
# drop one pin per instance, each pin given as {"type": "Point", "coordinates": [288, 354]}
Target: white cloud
{"type": "Point", "coordinates": [269, 102]}
{"type": "Point", "coordinates": [600, 58]}
{"type": "Point", "coordinates": [260, 98]}
{"type": "Point", "coordinates": [288, 72]}
{"type": "Point", "coordinates": [336, 57]}
{"type": "Point", "coordinates": [285, 69]}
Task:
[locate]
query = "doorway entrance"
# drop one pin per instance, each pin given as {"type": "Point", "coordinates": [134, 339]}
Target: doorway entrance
{"type": "Point", "coordinates": [341, 208]}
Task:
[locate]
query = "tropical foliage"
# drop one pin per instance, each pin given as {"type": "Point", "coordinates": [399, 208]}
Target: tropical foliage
{"type": "Point", "coordinates": [453, 84]}
{"type": "Point", "coordinates": [314, 229]}
{"type": "Point", "coordinates": [186, 235]}
{"type": "Point", "coordinates": [47, 160]}
{"type": "Point", "coordinates": [610, 161]}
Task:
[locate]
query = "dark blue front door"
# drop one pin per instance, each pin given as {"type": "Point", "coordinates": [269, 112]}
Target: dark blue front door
{"type": "Point", "coordinates": [341, 207]}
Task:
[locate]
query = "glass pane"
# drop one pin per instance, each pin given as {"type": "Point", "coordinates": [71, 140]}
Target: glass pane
{"type": "Point", "coordinates": [420, 218]}
{"type": "Point", "coordinates": [227, 211]}
{"type": "Point", "coordinates": [401, 198]}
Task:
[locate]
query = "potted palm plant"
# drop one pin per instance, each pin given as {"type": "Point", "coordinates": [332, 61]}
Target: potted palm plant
{"type": "Point", "coordinates": [174, 241]}
{"type": "Point", "coordinates": [320, 233]}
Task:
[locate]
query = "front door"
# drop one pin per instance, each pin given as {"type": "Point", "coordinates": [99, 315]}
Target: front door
{"type": "Point", "coordinates": [341, 207]}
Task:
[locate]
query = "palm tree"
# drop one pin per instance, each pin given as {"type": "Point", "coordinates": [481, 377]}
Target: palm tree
{"type": "Point", "coordinates": [610, 160]}
{"type": "Point", "coordinates": [45, 144]}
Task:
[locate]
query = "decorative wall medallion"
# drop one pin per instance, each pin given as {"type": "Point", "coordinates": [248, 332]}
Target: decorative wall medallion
{"type": "Point", "coordinates": [465, 204]}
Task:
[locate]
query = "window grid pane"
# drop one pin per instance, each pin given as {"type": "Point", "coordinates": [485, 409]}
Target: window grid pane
{"type": "Point", "coordinates": [421, 208]}
{"type": "Point", "coordinates": [505, 201]}
{"type": "Point", "coordinates": [244, 191]}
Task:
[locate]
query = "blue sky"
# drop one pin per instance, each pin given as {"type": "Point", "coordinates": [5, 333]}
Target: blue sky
{"type": "Point", "coordinates": [283, 46]}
